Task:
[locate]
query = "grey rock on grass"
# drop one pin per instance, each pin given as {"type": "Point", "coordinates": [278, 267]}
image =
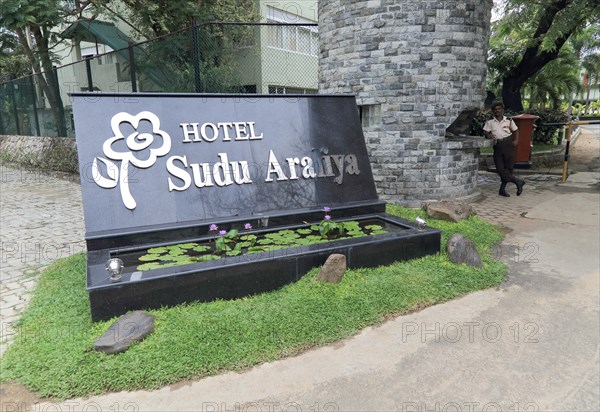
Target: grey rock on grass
{"type": "Point", "coordinates": [449, 210]}
{"type": "Point", "coordinates": [462, 250]}
{"type": "Point", "coordinates": [128, 329]}
{"type": "Point", "coordinates": [333, 270]}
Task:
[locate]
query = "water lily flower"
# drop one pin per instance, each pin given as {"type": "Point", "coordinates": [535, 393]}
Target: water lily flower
{"type": "Point", "coordinates": [327, 217]}
{"type": "Point", "coordinates": [213, 228]}
{"type": "Point", "coordinates": [326, 209]}
{"type": "Point", "coordinates": [222, 232]}
{"type": "Point", "coordinates": [247, 226]}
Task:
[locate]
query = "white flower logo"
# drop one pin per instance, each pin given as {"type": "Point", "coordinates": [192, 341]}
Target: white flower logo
{"type": "Point", "coordinates": [136, 142]}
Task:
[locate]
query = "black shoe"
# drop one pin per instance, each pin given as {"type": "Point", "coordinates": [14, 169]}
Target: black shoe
{"type": "Point", "coordinates": [502, 192]}
{"type": "Point", "coordinates": [520, 183]}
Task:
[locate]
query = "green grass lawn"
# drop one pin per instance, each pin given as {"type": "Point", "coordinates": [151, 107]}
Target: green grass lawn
{"type": "Point", "coordinates": [51, 356]}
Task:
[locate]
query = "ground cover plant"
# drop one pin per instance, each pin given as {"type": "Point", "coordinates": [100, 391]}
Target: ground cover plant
{"type": "Point", "coordinates": [50, 353]}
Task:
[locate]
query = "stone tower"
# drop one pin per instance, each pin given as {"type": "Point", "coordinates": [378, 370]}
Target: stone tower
{"type": "Point", "coordinates": [414, 67]}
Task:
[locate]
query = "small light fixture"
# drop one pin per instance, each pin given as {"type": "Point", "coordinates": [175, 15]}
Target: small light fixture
{"type": "Point", "coordinates": [115, 267]}
{"type": "Point", "coordinates": [420, 222]}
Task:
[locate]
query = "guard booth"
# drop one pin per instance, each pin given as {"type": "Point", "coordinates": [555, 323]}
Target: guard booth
{"type": "Point", "coordinates": [526, 125]}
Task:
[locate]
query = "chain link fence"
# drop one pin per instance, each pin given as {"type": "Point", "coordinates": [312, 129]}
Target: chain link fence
{"type": "Point", "coordinates": [263, 58]}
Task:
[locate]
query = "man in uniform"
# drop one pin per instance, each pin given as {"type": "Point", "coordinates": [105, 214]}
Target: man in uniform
{"type": "Point", "coordinates": [505, 133]}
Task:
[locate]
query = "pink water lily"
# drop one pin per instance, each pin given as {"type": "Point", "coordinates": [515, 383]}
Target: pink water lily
{"type": "Point", "coordinates": [213, 228]}
{"type": "Point", "coordinates": [247, 226]}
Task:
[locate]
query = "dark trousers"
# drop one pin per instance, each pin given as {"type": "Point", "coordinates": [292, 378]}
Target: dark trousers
{"type": "Point", "coordinates": [504, 159]}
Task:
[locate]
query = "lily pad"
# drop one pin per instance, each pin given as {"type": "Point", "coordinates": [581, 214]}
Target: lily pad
{"type": "Point", "coordinates": [304, 231]}
{"type": "Point", "coordinates": [187, 245]}
{"type": "Point", "coordinates": [149, 266]}
{"type": "Point", "coordinates": [175, 250]}
{"type": "Point", "coordinates": [373, 227]}
{"type": "Point", "coordinates": [201, 248]}
{"type": "Point", "coordinates": [166, 258]}
{"type": "Point", "coordinates": [265, 242]}
{"type": "Point", "coordinates": [182, 260]}
{"type": "Point", "coordinates": [257, 249]}
{"type": "Point", "coordinates": [157, 250]}
{"type": "Point", "coordinates": [148, 258]}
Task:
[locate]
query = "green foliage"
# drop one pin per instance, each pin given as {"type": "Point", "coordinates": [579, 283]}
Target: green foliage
{"type": "Point", "coordinates": [51, 353]}
{"type": "Point", "coordinates": [36, 24]}
{"type": "Point", "coordinates": [158, 18]}
{"type": "Point", "coordinates": [234, 244]}
{"type": "Point", "coordinates": [542, 134]}
{"type": "Point", "coordinates": [13, 62]}
{"type": "Point", "coordinates": [529, 36]}
{"type": "Point", "coordinates": [483, 116]}
{"type": "Point", "coordinates": [555, 82]}
{"type": "Point", "coordinates": [168, 63]}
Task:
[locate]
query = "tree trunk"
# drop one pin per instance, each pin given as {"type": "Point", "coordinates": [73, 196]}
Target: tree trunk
{"type": "Point", "coordinates": [52, 88]}
{"type": "Point", "coordinates": [533, 58]}
{"type": "Point", "coordinates": [511, 94]}
{"type": "Point", "coordinates": [45, 76]}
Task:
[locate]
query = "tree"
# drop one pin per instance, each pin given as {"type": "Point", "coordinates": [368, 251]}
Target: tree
{"type": "Point", "coordinates": [530, 35]}
{"type": "Point", "coordinates": [34, 26]}
{"type": "Point", "coordinates": [33, 22]}
{"type": "Point", "coordinates": [157, 18]}
{"type": "Point", "coordinates": [13, 62]}
{"type": "Point", "coordinates": [206, 48]}
{"type": "Point", "coordinates": [591, 65]}
{"type": "Point", "coordinates": [554, 81]}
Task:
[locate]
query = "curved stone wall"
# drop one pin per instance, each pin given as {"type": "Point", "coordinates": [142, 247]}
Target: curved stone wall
{"type": "Point", "coordinates": [414, 66]}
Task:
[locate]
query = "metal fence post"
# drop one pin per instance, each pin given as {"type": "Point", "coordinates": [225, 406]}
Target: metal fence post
{"type": "Point", "coordinates": [14, 103]}
{"type": "Point", "coordinates": [132, 68]}
{"type": "Point", "coordinates": [88, 70]}
{"type": "Point", "coordinates": [196, 57]}
{"type": "Point", "coordinates": [34, 102]}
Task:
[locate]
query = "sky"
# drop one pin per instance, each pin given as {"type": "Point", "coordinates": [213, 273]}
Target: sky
{"type": "Point", "coordinates": [497, 10]}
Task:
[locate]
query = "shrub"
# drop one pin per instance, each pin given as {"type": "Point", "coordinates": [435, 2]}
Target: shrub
{"type": "Point", "coordinates": [542, 134]}
{"type": "Point", "coordinates": [483, 116]}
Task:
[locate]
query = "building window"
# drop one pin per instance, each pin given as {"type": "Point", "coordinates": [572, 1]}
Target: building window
{"type": "Point", "coordinates": [370, 115]}
{"type": "Point", "coordinates": [298, 39]}
{"type": "Point", "coordinates": [290, 90]}
{"type": "Point", "coordinates": [105, 53]}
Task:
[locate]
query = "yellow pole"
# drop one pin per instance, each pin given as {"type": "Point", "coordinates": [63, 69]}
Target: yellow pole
{"type": "Point", "coordinates": [566, 161]}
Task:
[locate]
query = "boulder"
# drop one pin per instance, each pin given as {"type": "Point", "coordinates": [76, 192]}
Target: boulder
{"type": "Point", "coordinates": [333, 270]}
{"type": "Point", "coordinates": [128, 329]}
{"type": "Point", "coordinates": [449, 210]}
{"type": "Point", "coordinates": [462, 250]}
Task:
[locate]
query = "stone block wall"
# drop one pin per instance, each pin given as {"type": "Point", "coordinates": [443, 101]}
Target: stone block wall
{"type": "Point", "coordinates": [414, 66]}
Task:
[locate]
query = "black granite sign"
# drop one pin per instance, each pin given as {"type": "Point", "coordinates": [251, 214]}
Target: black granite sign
{"type": "Point", "coordinates": [157, 171]}
{"type": "Point", "coordinates": [167, 159]}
